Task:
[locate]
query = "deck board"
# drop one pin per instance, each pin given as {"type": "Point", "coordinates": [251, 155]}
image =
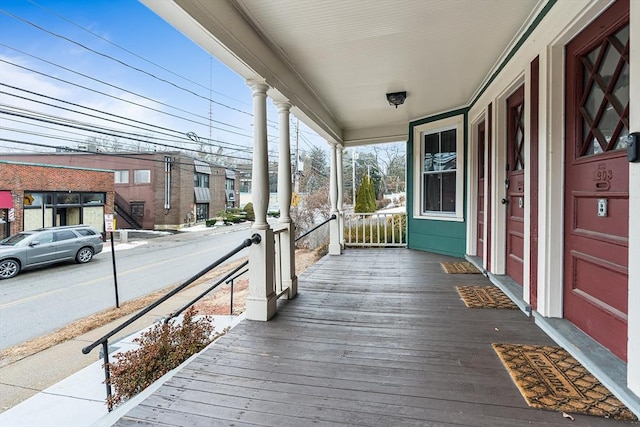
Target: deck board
{"type": "Point", "coordinates": [376, 337]}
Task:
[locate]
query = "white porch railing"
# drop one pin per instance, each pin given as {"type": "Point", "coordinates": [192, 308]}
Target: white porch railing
{"type": "Point", "coordinates": [375, 229]}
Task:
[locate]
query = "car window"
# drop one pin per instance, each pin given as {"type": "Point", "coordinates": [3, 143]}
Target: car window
{"type": "Point", "coordinates": [46, 237]}
{"type": "Point", "coordinates": [64, 235]}
{"type": "Point", "coordinates": [85, 232]}
{"type": "Point", "coordinates": [15, 239]}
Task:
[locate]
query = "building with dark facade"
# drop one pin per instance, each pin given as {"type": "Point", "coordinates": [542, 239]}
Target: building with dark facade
{"type": "Point", "coordinates": [155, 190]}
{"type": "Point", "coordinates": [34, 195]}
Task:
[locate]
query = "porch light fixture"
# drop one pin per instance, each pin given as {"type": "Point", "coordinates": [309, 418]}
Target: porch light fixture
{"type": "Point", "coordinates": [396, 98]}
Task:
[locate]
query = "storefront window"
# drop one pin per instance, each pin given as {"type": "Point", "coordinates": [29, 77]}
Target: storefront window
{"type": "Point", "coordinates": [92, 198]}
{"type": "Point", "coordinates": [67, 198]}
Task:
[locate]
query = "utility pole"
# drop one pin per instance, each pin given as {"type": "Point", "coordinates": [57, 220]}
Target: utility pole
{"type": "Point", "coordinates": [296, 173]}
{"type": "Point", "coordinates": [354, 156]}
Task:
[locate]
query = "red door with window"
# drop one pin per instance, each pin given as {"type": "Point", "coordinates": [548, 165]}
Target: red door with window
{"type": "Point", "coordinates": [597, 180]}
{"type": "Point", "coordinates": [481, 198]}
{"type": "Point", "coordinates": [514, 184]}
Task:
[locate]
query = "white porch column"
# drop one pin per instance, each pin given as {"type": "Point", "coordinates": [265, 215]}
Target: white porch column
{"type": "Point", "coordinates": [261, 301]}
{"type": "Point", "coordinates": [335, 248]}
{"type": "Point", "coordinates": [340, 177]}
{"type": "Point", "coordinates": [287, 238]}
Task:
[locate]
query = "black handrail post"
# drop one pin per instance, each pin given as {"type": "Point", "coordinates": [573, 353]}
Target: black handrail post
{"type": "Point", "coordinates": [107, 372]}
{"type": "Point", "coordinates": [231, 302]}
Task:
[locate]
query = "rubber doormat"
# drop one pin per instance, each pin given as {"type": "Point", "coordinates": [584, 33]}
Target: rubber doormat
{"type": "Point", "coordinates": [460, 267]}
{"type": "Point", "coordinates": [485, 297]}
{"type": "Point", "coordinates": [550, 378]}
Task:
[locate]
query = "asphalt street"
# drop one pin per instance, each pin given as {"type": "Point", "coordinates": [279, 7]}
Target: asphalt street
{"type": "Point", "coordinates": [41, 301]}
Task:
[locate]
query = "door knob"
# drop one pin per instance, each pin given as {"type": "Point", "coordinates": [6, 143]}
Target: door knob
{"type": "Point", "coordinates": [504, 201]}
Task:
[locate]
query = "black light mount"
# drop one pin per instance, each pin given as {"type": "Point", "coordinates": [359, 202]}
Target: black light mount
{"type": "Point", "coordinates": [396, 98]}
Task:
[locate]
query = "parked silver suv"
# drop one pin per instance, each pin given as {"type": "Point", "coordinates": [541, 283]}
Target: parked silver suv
{"type": "Point", "coordinates": [44, 246]}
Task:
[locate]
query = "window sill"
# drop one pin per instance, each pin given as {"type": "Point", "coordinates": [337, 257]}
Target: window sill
{"type": "Point", "coordinates": [435, 217]}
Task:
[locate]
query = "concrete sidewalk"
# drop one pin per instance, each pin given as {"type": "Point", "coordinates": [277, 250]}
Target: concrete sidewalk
{"type": "Point", "coordinates": [79, 399]}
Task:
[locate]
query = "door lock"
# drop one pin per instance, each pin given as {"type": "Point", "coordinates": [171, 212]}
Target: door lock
{"type": "Point", "coordinates": [504, 201]}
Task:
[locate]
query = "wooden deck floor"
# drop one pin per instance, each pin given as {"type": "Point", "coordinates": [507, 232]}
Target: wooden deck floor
{"type": "Point", "coordinates": [376, 337]}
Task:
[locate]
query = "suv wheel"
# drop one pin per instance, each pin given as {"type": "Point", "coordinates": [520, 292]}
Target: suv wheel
{"type": "Point", "coordinates": [9, 268]}
{"type": "Point", "coordinates": [84, 255]}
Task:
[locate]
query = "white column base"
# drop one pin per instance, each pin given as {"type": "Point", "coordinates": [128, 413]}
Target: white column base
{"type": "Point", "coordinates": [261, 301]}
{"type": "Point", "coordinates": [335, 245]}
{"type": "Point", "coordinates": [261, 309]}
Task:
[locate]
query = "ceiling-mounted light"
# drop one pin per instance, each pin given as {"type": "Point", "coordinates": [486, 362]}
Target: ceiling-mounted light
{"type": "Point", "coordinates": [396, 98]}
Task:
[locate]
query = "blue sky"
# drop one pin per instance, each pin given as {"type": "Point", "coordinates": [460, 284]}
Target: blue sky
{"type": "Point", "coordinates": [120, 58]}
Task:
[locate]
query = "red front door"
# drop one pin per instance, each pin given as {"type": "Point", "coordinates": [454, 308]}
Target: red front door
{"type": "Point", "coordinates": [514, 200]}
{"type": "Point", "coordinates": [481, 198]}
{"type": "Point", "coordinates": [597, 180]}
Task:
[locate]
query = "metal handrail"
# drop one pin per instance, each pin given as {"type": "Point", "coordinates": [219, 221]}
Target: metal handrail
{"type": "Point", "coordinates": [255, 239]}
{"type": "Point", "coordinates": [212, 287]}
{"type": "Point", "coordinates": [331, 218]}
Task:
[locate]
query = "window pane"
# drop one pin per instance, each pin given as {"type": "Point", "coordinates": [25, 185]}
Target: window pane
{"type": "Point", "coordinates": [141, 176]}
{"type": "Point", "coordinates": [448, 141]}
{"type": "Point", "coordinates": [92, 198]}
{"type": "Point", "coordinates": [137, 209]}
{"type": "Point", "coordinates": [121, 177]}
{"type": "Point", "coordinates": [448, 192]}
{"type": "Point", "coordinates": [431, 193]}
{"type": "Point", "coordinates": [67, 198]}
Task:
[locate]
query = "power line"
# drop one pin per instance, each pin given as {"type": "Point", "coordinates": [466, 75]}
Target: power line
{"type": "Point", "coordinates": [180, 134]}
{"type": "Point", "coordinates": [104, 55]}
{"type": "Point", "coordinates": [106, 133]}
{"type": "Point", "coordinates": [131, 52]}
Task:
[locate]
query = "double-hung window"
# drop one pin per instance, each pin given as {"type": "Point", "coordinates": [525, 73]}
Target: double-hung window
{"type": "Point", "coordinates": [439, 182]}
{"type": "Point", "coordinates": [141, 176]}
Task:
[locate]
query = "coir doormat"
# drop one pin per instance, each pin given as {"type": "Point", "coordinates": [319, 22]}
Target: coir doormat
{"type": "Point", "coordinates": [460, 267]}
{"type": "Point", "coordinates": [485, 297]}
{"type": "Point", "coordinates": [550, 378]}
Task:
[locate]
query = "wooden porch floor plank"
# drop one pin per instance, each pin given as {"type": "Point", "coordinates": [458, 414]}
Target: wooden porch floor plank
{"type": "Point", "coordinates": [375, 337]}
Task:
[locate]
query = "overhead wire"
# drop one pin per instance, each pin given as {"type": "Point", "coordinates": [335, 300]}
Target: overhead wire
{"type": "Point", "coordinates": [106, 40]}
{"type": "Point", "coordinates": [269, 123]}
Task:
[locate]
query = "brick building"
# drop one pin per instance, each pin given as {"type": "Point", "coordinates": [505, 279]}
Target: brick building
{"type": "Point", "coordinates": [155, 190]}
{"type": "Point", "coordinates": [34, 195]}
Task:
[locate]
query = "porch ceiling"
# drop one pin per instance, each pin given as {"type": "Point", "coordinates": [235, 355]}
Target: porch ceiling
{"type": "Point", "coordinates": [335, 60]}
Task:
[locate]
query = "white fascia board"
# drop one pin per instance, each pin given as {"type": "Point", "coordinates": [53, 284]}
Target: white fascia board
{"type": "Point", "coordinates": [230, 38]}
{"type": "Point", "coordinates": [378, 135]}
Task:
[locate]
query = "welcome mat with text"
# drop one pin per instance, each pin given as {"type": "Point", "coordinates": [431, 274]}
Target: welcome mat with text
{"type": "Point", "coordinates": [460, 267]}
{"type": "Point", "coordinates": [550, 378]}
{"type": "Point", "coordinates": [485, 297]}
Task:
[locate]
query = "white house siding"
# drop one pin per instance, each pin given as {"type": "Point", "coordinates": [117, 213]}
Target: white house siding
{"type": "Point", "coordinates": [565, 20]}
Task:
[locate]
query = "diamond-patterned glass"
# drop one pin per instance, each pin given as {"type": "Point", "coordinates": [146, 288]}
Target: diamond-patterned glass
{"type": "Point", "coordinates": [593, 56]}
{"type": "Point", "coordinates": [621, 142]}
{"type": "Point", "coordinates": [605, 97]}
{"type": "Point", "coordinates": [623, 35]}
{"type": "Point", "coordinates": [608, 64]}
{"type": "Point", "coordinates": [593, 101]}
{"type": "Point", "coordinates": [621, 89]}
